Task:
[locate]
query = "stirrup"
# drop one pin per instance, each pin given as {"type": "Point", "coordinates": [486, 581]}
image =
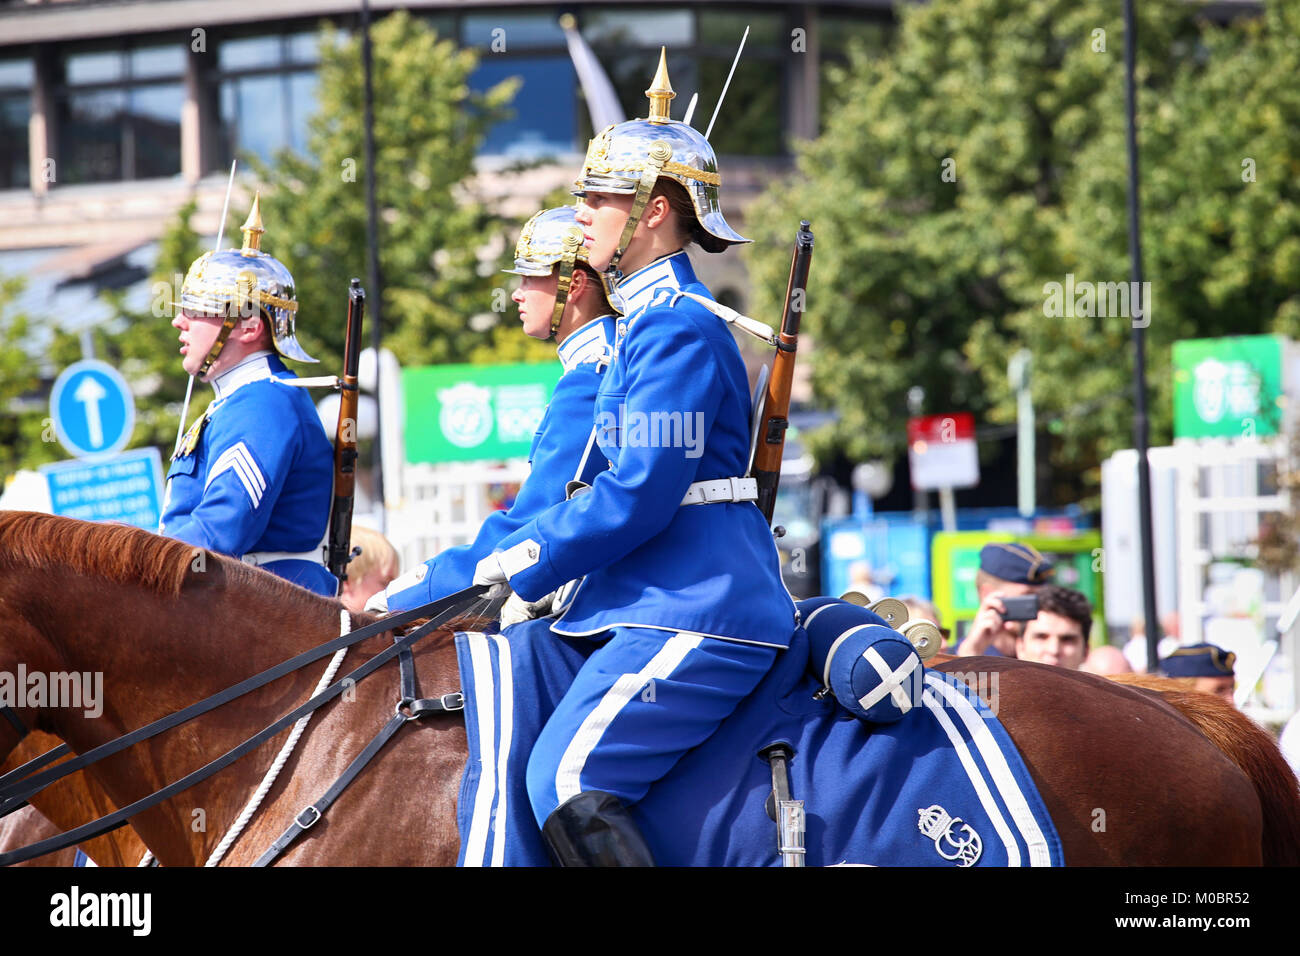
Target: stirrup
{"type": "Point", "coordinates": [595, 829]}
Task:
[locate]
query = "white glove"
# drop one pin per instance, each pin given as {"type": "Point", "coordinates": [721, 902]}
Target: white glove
{"type": "Point", "coordinates": [516, 610]}
{"type": "Point", "coordinates": [488, 571]}
{"type": "Point", "coordinates": [377, 603]}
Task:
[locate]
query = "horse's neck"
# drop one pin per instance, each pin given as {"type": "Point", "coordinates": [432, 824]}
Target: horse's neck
{"type": "Point", "coordinates": [158, 654]}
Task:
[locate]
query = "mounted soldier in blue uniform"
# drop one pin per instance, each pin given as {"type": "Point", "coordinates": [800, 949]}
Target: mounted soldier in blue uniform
{"type": "Point", "coordinates": [678, 578]}
{"type": "Point", "coordinates": [252, 477]}
{"type": "Point", "coordinates": [560, 297]}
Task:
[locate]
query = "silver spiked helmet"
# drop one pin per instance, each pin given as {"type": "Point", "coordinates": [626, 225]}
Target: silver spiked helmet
{"type": "Point", "coordinates": [630, 157]}
{"type": "Point", "coordinates": [241, 282]}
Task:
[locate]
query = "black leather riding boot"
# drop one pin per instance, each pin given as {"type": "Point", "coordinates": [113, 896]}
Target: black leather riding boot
{"type": "Point", "coordinates": [595, 829]}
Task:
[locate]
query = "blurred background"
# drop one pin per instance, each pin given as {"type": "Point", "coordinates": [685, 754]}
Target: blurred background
{"type": "Point", "coordinates": [965, 369]}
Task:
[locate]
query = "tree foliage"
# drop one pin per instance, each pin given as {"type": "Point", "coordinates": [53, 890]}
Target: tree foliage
{"type": "Point", "coordinates": [140, 343]}
{"type": "Point", "coordinates": [20, 421]}
{"type": "Point", "coordinates": [984, 158]}
{"type": "Point", "coordinates": [440, 246]}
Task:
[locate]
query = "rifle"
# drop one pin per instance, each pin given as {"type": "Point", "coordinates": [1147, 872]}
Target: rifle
{"type": "Point", "coordinates": [345, 439]}
{"type": "Point", "coordinates": [776, 405]}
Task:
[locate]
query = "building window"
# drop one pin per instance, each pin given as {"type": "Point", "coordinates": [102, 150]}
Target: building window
{"type": "Point", "coordinates": [529, 46]}
{"type": "Point", "coordinates": [545, 107]}
{"type": "Point", "coordinates": [119, 112]}
{"type": "Point", "coordinates": [266, 87]}
{"type": "Point", "coordinates": [16, 79]}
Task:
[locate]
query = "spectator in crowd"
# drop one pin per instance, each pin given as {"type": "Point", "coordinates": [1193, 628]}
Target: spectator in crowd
{"type": "Point", "coordinates": [371, 570]}
{"type": "Point", "coordinates": [1203, 667]}
{"type": "Point", "coordinates": [919, 609]}
{"type": "Point", "coordinates": [1105, 660]}
{"type": "Point", "coordinates": [1007, 569]}
{"type": "Point", "coordinates": [1059, 635]}
{"type": "Point", "coordinates": [861, 581]}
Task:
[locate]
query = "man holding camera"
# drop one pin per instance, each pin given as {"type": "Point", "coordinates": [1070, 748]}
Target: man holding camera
{"type": "Point", "coordinates": [1059, 634]}
{"type": "Point", "coordinates": [1008, 573]}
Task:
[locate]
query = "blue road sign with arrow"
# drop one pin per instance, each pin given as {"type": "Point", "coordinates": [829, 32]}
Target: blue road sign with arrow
{"type": "Point", "coordinates": [92, 408]}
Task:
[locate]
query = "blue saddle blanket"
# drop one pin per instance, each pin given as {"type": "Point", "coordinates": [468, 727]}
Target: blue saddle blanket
{"type": "Point", "coordinates": [945, 786]}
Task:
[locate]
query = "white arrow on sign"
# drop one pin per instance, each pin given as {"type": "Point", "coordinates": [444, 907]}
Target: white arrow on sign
{"type": "Point", "coordinates": [90, 393]}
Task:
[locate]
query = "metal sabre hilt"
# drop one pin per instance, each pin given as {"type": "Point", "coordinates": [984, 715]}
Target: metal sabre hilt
{"type": "Point", "coordinates": [788, 813]}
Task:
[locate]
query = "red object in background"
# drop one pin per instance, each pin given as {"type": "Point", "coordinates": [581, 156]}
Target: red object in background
{"type": "Point", "coordinates": [941, 451]}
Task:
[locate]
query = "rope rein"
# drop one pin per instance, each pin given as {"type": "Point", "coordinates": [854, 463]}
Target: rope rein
{"type": "Point", "coordinates": [345, 627]}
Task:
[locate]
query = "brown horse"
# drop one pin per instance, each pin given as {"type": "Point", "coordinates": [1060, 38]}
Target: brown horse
{"type": "Point", "coordinates": [74, 800]}
{"type": "Point", "coordinates": [1247, 745]}
{"type": "Point", "coordinates": [167, 629]}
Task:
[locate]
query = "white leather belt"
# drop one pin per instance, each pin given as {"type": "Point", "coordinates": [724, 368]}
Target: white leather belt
{"type": "Point", "coordinates": [721, 490]}
{"type": "Point", "coordinates": [259, 558]}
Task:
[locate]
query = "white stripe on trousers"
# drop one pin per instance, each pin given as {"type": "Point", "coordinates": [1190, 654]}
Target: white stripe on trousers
{"type": "Point", "coordinates": [568, 782]}
{"type": "Point", "coordinates": [484, 691]}
{"type": "Point", "coordinates": [506, 695]}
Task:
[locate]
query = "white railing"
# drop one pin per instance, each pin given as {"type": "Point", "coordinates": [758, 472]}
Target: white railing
{"type": "Point", "coordinates": [441, 506]}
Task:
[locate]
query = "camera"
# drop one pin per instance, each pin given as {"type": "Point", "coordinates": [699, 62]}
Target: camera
{"type": "Point", "coordinates": [1024, 608]}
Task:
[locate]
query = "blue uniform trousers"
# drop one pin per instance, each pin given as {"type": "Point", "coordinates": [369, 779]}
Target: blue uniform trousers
{"type": "Point", "coordinates": [639, 703]}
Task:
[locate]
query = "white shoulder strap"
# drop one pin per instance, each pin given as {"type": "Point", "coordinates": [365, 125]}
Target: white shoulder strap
{"type": "Point", "coordinates": [586, 453]}
{"type": "Point", "coordinates": [743, 322]}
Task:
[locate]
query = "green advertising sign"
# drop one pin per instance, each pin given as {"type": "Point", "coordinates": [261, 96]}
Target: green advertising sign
{"type": "Point", "coordinates": [474, 412]}
{"type": "Point", "coordinates": [1229, 387]}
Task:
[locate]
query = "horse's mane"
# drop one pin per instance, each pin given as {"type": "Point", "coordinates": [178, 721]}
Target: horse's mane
{"type": "Point", "coordinates": [120, 553]}
{"type": "Point", "coordinates": [1254, 752]}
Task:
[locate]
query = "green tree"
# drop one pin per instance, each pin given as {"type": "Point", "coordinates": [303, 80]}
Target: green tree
{"type": "Point", "coordinates": [21, 417]}
{"type": "Point", "coordinates": [145, 347]}
{"type": "Point", "coordinates": [982, 159]}
{"type": "Point", "coordinates": [138, 342]}
{"type": "Point", "coordinates": [440, 246]}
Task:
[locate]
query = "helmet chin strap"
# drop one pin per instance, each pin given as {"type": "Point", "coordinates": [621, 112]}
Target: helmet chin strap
{"type": "Point", "coordinates": [660, 154]}
{"type": "Point", "coordinates": [227, 326]}
{"type": "Point", "coordinates": [244, 304]}
{"type": "Point", "coordinates": [572, 242]}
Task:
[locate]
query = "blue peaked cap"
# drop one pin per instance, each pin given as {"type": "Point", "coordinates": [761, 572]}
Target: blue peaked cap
{"type": "Point", "coordinates": [1016, 562]}
{"type": "Point", "coordinates": [1199, 660]}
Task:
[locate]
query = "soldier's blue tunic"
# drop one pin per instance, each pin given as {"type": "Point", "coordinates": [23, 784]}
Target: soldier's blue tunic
{"type": "Point", "coordinates": [556, 454]}
{"type": "Point", "coordinates": [688, 598]}
{"type": "Point", "coordinates": [260, 477]}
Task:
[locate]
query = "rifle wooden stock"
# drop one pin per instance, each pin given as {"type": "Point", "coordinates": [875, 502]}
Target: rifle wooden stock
{"type": "Point", "coordinates": [771, 442]}
{"type": "Point", "coordinates": [345, 439]}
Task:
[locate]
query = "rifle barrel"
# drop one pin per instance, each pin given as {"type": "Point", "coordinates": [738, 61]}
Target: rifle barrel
{"type": "Point", "coordinates": [345, 437]}
{"type": "Point", "coordinates": [771, 444]}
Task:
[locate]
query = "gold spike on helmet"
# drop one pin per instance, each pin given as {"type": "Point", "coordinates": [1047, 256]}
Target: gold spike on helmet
{"type": "Point", "coordinates": [630, 157]}
{"type": "Point", "coordinates": [232, 283]}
